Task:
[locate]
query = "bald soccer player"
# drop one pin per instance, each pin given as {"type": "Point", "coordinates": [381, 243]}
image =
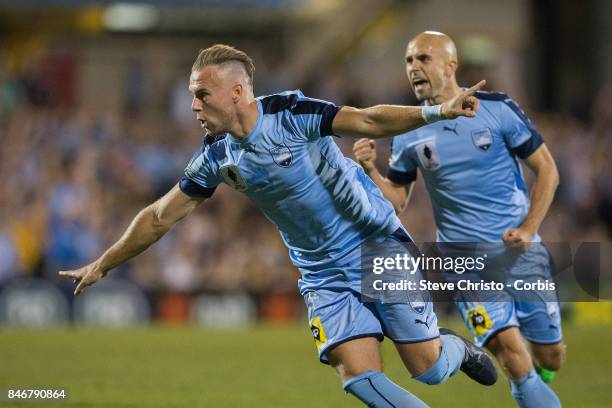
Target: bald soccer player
{"type": "Point", "coordinates": [277, 150]}
{"type": "Point", "coordinates": [478, 193]}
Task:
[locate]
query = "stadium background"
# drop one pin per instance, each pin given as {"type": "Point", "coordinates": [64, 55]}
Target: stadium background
{"type": "Point", "coordinates": [95, 123]}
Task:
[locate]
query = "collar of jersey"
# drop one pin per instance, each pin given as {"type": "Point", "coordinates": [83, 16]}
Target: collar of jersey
{"type": "Point", "coordinates": [253, 135]}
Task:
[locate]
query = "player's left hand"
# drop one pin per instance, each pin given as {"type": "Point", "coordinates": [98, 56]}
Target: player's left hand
{"type": "Point", "coordinates": [518, 238]}
{"type": "Point", "coordinates": [464, 104]}
{"type": "Point", "coordinates": [83, 277]}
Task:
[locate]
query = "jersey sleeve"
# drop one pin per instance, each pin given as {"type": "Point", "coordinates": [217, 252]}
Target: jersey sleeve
{"type": "Point", "coordinates": [402, 170]}
{"type": "Point", "coordinates": [200, 179]}
{"type": "Point", "coordinates": [520, 134]}
{"type": "Point", "coordinates": [310, 118]}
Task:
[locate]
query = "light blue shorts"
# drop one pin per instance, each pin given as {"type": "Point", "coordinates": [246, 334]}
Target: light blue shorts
{"type": "Point", "coordinates": [336, 317]}
{"type": "Point", "coordinates": [535, 313]}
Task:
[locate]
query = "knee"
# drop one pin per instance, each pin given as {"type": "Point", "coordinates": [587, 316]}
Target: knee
{"type": "Point", "coordinates": [551, 357]}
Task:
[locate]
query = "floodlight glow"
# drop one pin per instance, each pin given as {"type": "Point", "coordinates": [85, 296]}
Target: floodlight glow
{"type": "Point", "coordinates": [130, 17]}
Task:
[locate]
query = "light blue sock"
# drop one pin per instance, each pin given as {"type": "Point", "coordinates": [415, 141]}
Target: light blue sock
{"type": "Point", "coordinates": [375, 390]}
{"type": "Point", "coordinates": [530, 391]}
{"type": "Point", "coordinates": [449, 362]}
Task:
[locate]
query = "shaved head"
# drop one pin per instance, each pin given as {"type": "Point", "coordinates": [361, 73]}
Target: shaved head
{"type": "Point", "coordinates": [438, 42]}
{"type": "Point", "coordinates": [431, 62]}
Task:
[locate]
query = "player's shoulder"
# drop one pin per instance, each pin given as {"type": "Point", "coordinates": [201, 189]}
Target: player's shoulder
{"type": "Point", "coordinates": [495, 97]}
{"type": "Point", "coordinates": [492, 96]}
{"type": "Point", "coordinates": [294, 102]}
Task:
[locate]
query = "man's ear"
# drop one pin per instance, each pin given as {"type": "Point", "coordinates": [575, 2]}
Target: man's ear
{"type": "Point", "coordinates": [237, 92]}
{"type": "Point", "coordinates": [451, 68]}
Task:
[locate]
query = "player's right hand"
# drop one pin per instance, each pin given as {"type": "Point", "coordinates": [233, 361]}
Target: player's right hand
{"type": "Point", "coordinates": [83, 277]}
{"type": "Point", "coordinates": [365, 153]}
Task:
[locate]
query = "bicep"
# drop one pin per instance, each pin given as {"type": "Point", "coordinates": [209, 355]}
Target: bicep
{"type": "Point", "coordinates": [351, 122]}
{"type": "Point", "coordinates": [174, 206]}
{"type": "Point", "coordinates": [541, 160]}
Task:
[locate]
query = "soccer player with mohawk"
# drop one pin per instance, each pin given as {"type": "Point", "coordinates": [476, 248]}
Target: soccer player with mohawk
{"type": "Point", "coordinates": [278, 151]}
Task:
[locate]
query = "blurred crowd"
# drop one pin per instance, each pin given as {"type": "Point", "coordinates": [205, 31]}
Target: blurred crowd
{"type": "Point", "coordinates": [72, 179]}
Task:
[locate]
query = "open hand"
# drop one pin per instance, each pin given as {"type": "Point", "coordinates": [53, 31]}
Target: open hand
{"type": "Point", "coordinates": [83, 277]}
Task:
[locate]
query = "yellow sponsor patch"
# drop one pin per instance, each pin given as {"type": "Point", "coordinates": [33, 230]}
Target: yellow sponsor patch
{"type": "Point", "coordinates": [317, 331]}
{"type": "Point", "coordinates": [479, 319]}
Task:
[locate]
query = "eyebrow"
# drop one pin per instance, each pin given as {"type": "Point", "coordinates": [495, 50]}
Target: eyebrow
{"type": "Point", "coordinates": [198, 91]}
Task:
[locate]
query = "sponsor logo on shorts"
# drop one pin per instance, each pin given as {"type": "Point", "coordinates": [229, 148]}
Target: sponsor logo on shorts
{"type": "Point", "coordinates": [479, 320]}
{"type": "Point", "coordinates": [317, 331]}
{"type": "Point", "coordinates": [419, 321]}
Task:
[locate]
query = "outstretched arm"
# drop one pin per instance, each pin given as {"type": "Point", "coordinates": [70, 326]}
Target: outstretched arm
{"type": "Point", "coordinates": [388, 120]}
{"type": "Point", "coordinates": [149, 225]}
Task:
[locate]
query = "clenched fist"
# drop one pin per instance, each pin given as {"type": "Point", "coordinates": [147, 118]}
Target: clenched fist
{"type": "Point", "coordinates": [365, 153]}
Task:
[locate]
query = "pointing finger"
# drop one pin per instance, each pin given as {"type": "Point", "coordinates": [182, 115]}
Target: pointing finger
{"type": "Point", "coordinates": [475, 88]}
{"type": "Point", "coordinates": [69, 274]}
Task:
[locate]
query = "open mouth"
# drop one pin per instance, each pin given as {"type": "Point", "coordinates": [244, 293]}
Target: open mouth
{"type": "Point", "coordinates": [202, 123]}
{"type": "Point", "coordinates": [420, 84]}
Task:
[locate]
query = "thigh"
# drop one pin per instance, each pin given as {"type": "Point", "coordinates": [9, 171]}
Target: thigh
{"type": "Point", "coordinates": [354, 357]}
{"type": "Point", "coordinates": [337, 317]}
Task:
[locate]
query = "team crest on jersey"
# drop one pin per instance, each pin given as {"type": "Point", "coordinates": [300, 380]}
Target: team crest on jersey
{"type": "Point", "coordinates": [418, 306]}
{"type": "Point", "coordinates": [482, 138]}
{"type": "Point", "coordinates": [428, 155]}
{"type": "Point", "coordinates": [282, 155]}
{"type": "Point", "coordinates": [479, 320]}
{"type": "Point", "coordinates": [232, 177]}
{"type": "Point", "coordinates": [317, 331]}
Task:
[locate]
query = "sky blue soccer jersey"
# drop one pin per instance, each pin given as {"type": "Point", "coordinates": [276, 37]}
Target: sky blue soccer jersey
{"type": "Point", "coordinates": [471, 169]}
{"type": "Point", "coordinates": [322, 203]}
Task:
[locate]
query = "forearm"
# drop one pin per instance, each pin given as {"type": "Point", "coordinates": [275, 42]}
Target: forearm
{"type": "Point", "coordinates": [541, 198]}
{"type": "Point", "coordinates": [396, 196]}
{"type": "Point", "coordinates": [390, 120]}
{"type": "Point", "coordinates": [144, 230]}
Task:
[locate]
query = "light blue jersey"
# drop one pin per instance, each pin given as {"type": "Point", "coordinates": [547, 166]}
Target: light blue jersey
{"type": "Point", "coordinates": [471, 169]}
{"type": "Point", "coordinates": [322, 203]}
{"type": "Point", "coordinates": [477, 189]}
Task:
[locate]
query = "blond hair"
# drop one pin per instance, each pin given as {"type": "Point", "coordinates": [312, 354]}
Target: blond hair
{"type": "Point", "coordinates": [219, 54]}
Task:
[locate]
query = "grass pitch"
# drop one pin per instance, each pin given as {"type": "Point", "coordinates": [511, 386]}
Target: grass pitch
{"type": "Point", "coordinates": [267, 366]}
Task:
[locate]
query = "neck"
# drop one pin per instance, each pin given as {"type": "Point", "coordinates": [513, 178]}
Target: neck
{"type": "Point", "coordinates": [449, 92]}
{"type": "Point", "coordinates": [246, 119]}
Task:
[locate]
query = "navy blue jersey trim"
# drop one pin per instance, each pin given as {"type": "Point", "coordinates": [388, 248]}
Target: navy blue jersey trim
{"type": "Point", "coordinates": [276, 103]}
{"type": "Point", "coordinates": [210, 139]}
{"type": "Point", "coordinates": [531, 145]}
{"type": "Point", "coordinates": [329, 113]}
{"type": "Point", "coordinates": [495, 332]}
{"type": "Point", "coordinates": [414, 341]}
{"type": "Point", "coordinates": [401, 177]}
{"type": "Point", "coordinates": [379, 336]}
{"type": "Point", "coordinates": [526, 149]}
{"type": "Point", "coordinates": [193, 189]}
